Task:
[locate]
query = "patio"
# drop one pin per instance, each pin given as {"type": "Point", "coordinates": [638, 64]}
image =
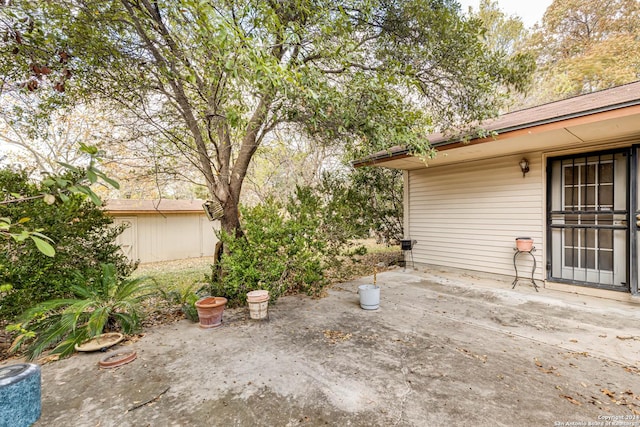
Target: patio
{"type": "Point", "coordinates": [443, 349]}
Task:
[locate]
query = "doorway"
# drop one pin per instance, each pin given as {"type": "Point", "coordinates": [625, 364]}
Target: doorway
{"type": "Point", "coordinates": [588, 219]}
{"type": "Point", "coordinates": [128, 238]}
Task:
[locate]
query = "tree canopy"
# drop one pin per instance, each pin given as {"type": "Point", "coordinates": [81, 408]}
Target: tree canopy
{"type": "Point", "coordinates": [213, 79]}
{"type": "Point", "coordinates": [586, 45]}
{"type": "Point", "coordinates": [502, 32]}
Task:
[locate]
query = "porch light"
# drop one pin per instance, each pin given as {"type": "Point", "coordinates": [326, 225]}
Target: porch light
{"type": "Point", "coordinates": [524, 166]}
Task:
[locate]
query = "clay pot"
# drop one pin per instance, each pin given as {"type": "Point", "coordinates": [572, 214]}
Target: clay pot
{"type": "Point", "coordinates": [116, 359]}
{"type": "Point", "coordinates": [524, 244]}
{"type": "Point", "coordinates": [210, 311]}
{"type": "Point", "coordinates": [100, 342]}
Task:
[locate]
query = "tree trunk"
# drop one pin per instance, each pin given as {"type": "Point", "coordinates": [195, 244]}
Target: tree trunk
{"type": "Point", "coordinates": [230, 221]}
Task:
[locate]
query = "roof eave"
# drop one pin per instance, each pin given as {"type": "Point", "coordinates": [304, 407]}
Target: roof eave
{"type": "Point", "coordinates": [401, 153]}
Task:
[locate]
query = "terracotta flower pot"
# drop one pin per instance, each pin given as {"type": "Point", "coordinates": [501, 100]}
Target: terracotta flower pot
{"type": "Point", "coordinates": [524, 244]}
{"type": "Point", "coordinates": [210, 311]}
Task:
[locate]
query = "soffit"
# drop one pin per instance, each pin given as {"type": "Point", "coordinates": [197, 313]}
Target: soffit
{"type": "Point", "coordinates": [597, 128]}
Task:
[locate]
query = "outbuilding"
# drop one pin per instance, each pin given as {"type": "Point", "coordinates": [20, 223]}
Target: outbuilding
{"type": "Point", "coordinates": [163, 230]}
{"type": "Point", "coordinates": [564, 174]}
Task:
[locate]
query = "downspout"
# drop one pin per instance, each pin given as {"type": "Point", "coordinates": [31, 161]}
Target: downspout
{"type": "Point", "coordinates": [406, 204]}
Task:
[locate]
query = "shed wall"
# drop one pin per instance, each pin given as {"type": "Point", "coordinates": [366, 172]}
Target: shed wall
{"type": "Point", "coordinates": [172, 236]}
{"type": "Point", "coordinates": [468, 215]}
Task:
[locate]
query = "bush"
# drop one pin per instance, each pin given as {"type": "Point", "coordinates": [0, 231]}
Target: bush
{"type": "Point", "coordinates": [105, 303]}
{"type": "Point", "coordinates": [368, 201]}
{"type": "Point", "coordinates": [185, 297]}
{"type": "Point", "coordinates": [284, 249]}
{"type": "Point", "coordinates": [82, 235]}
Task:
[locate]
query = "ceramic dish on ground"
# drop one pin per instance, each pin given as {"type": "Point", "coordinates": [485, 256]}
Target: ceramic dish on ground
{"type": "Point", "coordinates": [100, 342]}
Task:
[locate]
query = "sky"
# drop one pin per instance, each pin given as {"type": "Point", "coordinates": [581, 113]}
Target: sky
{"type": "Point", "coordinates": [530, 11]}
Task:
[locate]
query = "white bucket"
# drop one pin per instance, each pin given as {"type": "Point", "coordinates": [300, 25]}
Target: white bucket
{"type": "Point", "coordinates": [369, 296]}
{"type": "Point", "coordinates": [258, 304]}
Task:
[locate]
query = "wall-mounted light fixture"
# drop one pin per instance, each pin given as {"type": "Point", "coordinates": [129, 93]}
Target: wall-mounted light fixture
{"type": "Point", "coordinates": [524, 166]}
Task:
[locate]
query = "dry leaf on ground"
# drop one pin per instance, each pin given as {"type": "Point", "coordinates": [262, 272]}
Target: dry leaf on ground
{"type": "Point", "coordinates": [571, 399]}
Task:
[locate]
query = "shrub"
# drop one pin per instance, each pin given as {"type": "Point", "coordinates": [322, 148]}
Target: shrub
{"type": "Point", "coordinates": [368, 201]}
{"type": "Point", "coordinates": [184, 297]}
{"type": "Point", "coordinates": [103, 303]}
{"type": "Point", "coordinates": [284, 249]}
{"type": "Point", "coordinates": [82, 235]}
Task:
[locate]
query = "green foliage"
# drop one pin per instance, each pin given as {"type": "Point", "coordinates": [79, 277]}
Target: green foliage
{"type": "Point", "coordinates": [288, 248]}
{"type": "Point", "coordinates": [185, 297]}
{"type": "Point", "coordinates": [502, 33]}
{"type": "Point", "coordinates": [40, 240]}
{"type": "Point", "coordinates": [101, 303]}
{"type": "Point", "coordinates": [215, 78]}
{"type": "Point", "coordinates": [285, 249]}
{"type": "Point", "coordinates": [371, 199]}
{"type": "Point", "coordinates": [586, 45]}
{"type": "Point", "coordinates": [52, 189]}
{"type": "Point", "coordinates": [81, 234]}
{"type": "Point", "coordinates": [189, 307]}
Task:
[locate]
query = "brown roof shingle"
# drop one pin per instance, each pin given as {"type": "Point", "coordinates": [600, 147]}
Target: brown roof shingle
{"type": "Point", "coordinates": [578, 106]}
{"type": "Point", "coordinates": [150, 206]}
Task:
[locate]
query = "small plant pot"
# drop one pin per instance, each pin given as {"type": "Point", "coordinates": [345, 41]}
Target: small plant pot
{"type": "Point", "coordinates": [210, 311]}
{"type": "Point", "coordinates": [369, 297]}
{"type": "Point", "coordinates": [524, 244]}
{"type": "Point", "coordinates": [258, 304]}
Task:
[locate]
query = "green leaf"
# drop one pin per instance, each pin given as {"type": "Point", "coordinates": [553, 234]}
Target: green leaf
{"type": "Point", "coordinates": [21, 237]}
{"type": "Point", "coordinates": [89, 149]}
{"type": "Point", "coordinates": [43, 246]}
{"type": "Point", "coordinates": [42, 236]}
{"type": "Point", "coordinates": [108, 180]}
{"type": "Point", "coordinates": [91, 175]}
{"type": "Point", "coordinates": [94, 197]}
{"type": "Point", "coordinates": [62, 183]}
{"type": "Point", "coordinates": [69, 167]}
{"type": "Point", "coordinates": [75, 189]}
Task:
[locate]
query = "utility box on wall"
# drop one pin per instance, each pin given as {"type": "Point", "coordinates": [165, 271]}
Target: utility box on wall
{"type": "Point", "coordinates": [163, 230]}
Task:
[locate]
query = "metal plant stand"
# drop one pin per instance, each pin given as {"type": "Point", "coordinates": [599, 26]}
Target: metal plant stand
{"type": "Point", "coordinates": [533, 270]}
{"type": "Point", "coordinates": [407, 246]}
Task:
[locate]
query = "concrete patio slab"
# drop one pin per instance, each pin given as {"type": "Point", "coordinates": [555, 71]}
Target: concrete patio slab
{"type": "Point", "coordinates": [442, 350]}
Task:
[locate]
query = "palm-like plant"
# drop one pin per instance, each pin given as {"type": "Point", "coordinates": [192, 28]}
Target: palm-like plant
{"type": "Point", "coordinates": [109, 303]}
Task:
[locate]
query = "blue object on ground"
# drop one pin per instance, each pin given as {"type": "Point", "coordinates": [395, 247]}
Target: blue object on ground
{"type": "Point", "coordinates": [20, 401]}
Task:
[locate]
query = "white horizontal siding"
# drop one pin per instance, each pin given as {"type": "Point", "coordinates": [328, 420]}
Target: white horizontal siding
{"type": "Point", "coordinates": [468, 215]}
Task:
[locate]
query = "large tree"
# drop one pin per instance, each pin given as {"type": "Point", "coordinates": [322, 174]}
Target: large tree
{"type": "Point", "coordinates": [586, 45]}
{"type": "Point", "coordinates": [216, 77]}
{"type": "Point", "coordinates": [503, 32]}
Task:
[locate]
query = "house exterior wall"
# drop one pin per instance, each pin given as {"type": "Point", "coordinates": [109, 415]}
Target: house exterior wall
{"type": "Point", "coordinates": [169, 236]}
{"type": "Point", "coordinates": [468, 215]}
